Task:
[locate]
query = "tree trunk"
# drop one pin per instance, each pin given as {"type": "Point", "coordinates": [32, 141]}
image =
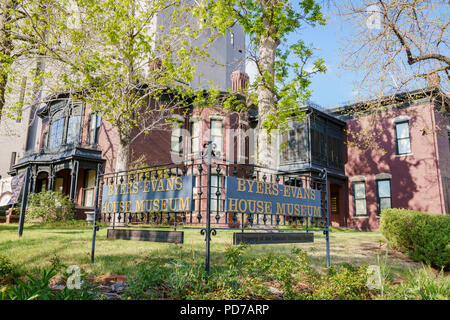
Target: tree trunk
{"type": "Point", "coordinates": [3, 82]}
{"type": "Point", "coordinates": [123, 156]}
{"type": "Point", "coordinates": [266, 143]}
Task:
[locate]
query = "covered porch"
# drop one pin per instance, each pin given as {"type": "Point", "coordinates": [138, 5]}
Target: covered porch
{"type": "Point", "coordinates": [73, 174]}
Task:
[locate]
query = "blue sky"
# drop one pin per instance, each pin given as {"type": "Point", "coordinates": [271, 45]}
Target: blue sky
{"type": "Point", "coordinates": [336, 85]}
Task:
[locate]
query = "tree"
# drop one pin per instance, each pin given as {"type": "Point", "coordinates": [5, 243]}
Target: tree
{"type": "Point", "coordinates": [284, 70]}
{"type": "Point", "coordinates": [16, 42]}
{"type": "Point", "coordinates": [110, 54]}
{"type": "Point", "coordinates": [398, 45]}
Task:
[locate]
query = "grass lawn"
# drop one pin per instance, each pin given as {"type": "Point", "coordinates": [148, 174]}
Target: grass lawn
{"type": "Point", "coordinates": [71, 243]}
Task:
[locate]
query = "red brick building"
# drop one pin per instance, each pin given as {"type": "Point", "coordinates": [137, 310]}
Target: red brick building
{"type": "Point", "coordinates": [397, 156]}
{"type": "Point", "coordinates": [75, 141]}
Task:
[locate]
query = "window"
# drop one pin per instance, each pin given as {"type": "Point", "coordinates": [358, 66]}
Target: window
{"type": "Point", "coordinates": [195, 133]}
{"type": "Point", "coordinates": [217, 134]}
{"type": "Point", "coordinates": [56, 133]}
{"type": "Point", "coordinates": [318, 144]}
{"type": "Point", "coordinates": [45, 140]}
{"type": "Point", "coordinates": [89, 188]}
{"type": "Point", "coordinates": [245, 151]}
{"type": "Point", "coordinates": [65, 126]}
{"type": "Point", "coordinates": [73, 129]}
{"type": "Point", "coordinates": [74, 124]}
{"type": "Point", "coordinates": [59, 184]}
{"type": "Point", "coordinates": [95, 121]}
{"type": "Point", "coordinates": [294, 147]}
{"type": "Point", "coordinates": [334, 152]}
{"type": "Point", "coordinates": [334, 203]}
{"type": "Point", "coordinates": [384, 194]}
{"type": "Point", "coordinates": [359, 198]}
{"type": "Point", "coordinates": [176, 139]}
{"type": "Point", "coordinates": [403, 139]}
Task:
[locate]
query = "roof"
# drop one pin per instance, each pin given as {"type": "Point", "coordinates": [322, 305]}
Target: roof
{"type": "Point", "coordinates": [403, 99]}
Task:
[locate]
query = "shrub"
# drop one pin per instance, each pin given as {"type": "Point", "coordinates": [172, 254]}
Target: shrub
{"type": "Point", "coordinates": [8, 270]}
{"type": "Point", "coordinates": [3, 210]}
{"type": "Point", "coordinates": [234, 256]}
{"type": "Point", "coordinates": [344, 282]}
{"type": "Point", "coordinates": [423, 236]}
{"type": "Point", "coordinates": [49, 206]}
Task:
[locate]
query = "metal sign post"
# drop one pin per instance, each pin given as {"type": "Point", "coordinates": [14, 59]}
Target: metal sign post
{"type": "Point", "coordinates": [95, 227]}
{"type": "Point", "coordinates": [207, 231]}
{"type": "Point", "coordinates": [23, 205]}
{"type": "Point", "coordinates": [326, 232]}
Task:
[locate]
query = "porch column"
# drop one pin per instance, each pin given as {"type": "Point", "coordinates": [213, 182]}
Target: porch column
{"type": "Point", "coordinates": [74, 180]}
{"type": "Point", "coordinates": [51, 179]}
{"type": "Point", "coordinates": [32, 183]}
{"type": "Point", "coordinates": [33, 179]}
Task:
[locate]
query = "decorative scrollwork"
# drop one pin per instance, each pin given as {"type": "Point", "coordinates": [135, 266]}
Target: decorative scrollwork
{"type": "Point", "coordinates": [212, 231]}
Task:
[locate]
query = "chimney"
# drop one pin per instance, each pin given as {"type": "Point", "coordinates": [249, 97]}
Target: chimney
{"type": "Point", "coordinates": [239, 81]}
{"type": "Point", "coordinates": [434, 80]}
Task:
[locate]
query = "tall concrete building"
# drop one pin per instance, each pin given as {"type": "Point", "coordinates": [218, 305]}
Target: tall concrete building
{"type": "Point", "coordinates": [18, 134]}
{"type": "Point", "coordinates": [226, 53]}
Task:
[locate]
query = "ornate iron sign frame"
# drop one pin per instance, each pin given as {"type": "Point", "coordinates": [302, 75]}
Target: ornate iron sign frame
{"type": "Point", "coordinates": [305, 211]}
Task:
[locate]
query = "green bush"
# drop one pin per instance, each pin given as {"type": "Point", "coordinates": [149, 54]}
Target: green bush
{"type": "Point", "coordinates": [49, 206]}
{"type": "Point", "coordinates": [3, 210]}
{"type": "Point", "coordinates": [344, 282]}
{"type": "Point", "coordinates": [423, 236]}
{"type": "Point", "coordinates": [8, 270]}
